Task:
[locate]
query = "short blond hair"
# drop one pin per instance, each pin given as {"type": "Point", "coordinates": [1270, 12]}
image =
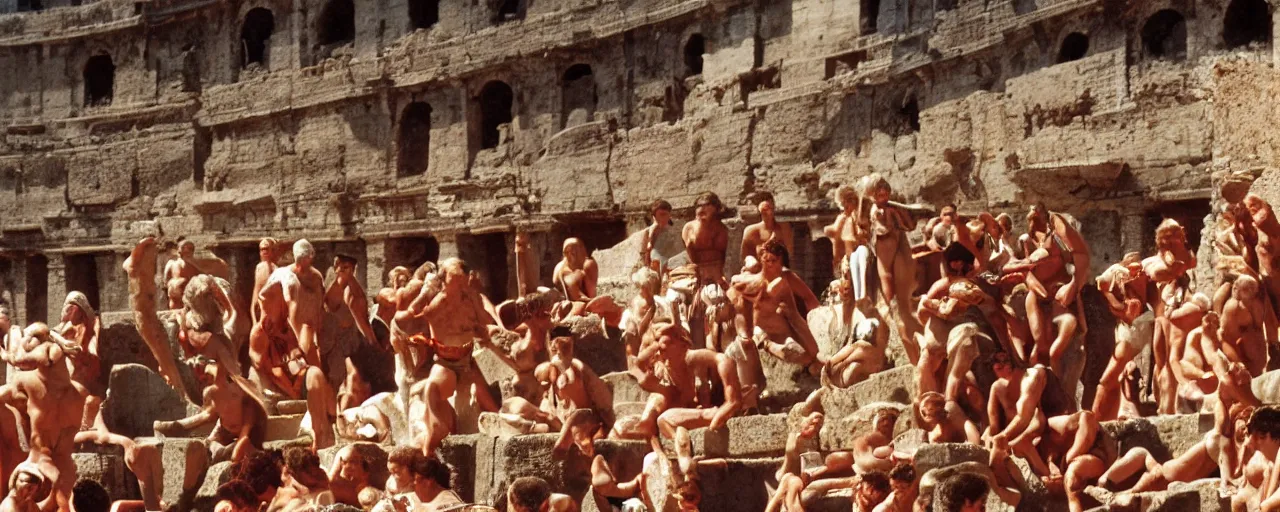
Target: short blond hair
{"type": "Point", "coordinates": [454, 266]}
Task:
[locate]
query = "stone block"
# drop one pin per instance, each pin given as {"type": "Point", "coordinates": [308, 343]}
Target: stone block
{"type": "Point", "coordinates": [179, 457]}
{"type": "Point", "coordinates": [621, 409]}
{"type": "Point", "coordinates": [1163, 436]}
{"type": "Point", "coordinates": [1267, 387]}
{"type": "Point", "coordinates": [897, 385]}
{"type": "Point", "coordinates": [741, 484]}
{"type": "Point", "coordinates": [287, 407]}
{"type": "Point", "coordinates": [600, 350]}
{"type": "Point", "coordinates": [786, 384]}
{"type": "Point", "coordinates": [463, 453]}
{"type": "Point", "coordinates": [530, 455]}
{"type": "Point", "coordinates": [941, 455]}
{"type": "Point", "coordinates": [742, 437]}
{"type": "Point", "coordinates": [282, 427]}
{"type": "Point", "coordinates": [215, 476]}
{"type": "Point", "coordinates": [105, 464]}
{"type": "Point", "coordinates": [625, 388]}
{"type": "Point", "coordinates": [136, 398]}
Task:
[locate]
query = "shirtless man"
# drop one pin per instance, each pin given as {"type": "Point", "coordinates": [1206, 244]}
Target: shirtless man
{"type": "Point", "coordinates": [657, 235]}
{"type": "Point", "coordinates": [53, 402]}
{"type": "Point", "coordinates": [640, 313]}
{"type": "Point", "coordinates": [1262, 429]}
{"type": "Point", "coordinates": [864, 355]}
{"type": "Point", "coordinates": [458, 320]}
{"type": "Point", "coordinates": [679, 366]}
{"type": "Point", "coordinates": [282, 366]}
{"type": "Point", "coordinates": [874, 450]}
{"type": "Point", "coordinates": [1192, 364]}
{"type": "Point", "coordinates": [410, 331]}
{"type": "Point", "coordinates": [268, 254]}
{"type": "Point", "coordinates": [27, 488]}
{"type": "Point", "coordinates": [1124, 287]}
{"type": "Point", "coordinates": [1216, 452]}
{"type": "Point", "coordinates": [1169, 270]}
{"type": "Point", "coordinates": [305, 297]}
{"type": "Point", "coordinates": [354, 475]}
{"type": "Point", "coordinates": [1268, 248]}
{"type": "Point", "coordinates": [81, 325]}
{"type": "Point", "coordinates": [533, 494]}
{"type": "Point", "coordinates": [1026, 404]}
{"type": "Point", "coordinates": [140, 266]}
{"type": "Point", "coordinates": [575, 400]}
{"type": "Point", "coordinates": [890, 224]}
{"type": "Point", "coordinates": [576, 275]}
{"type": "Point", "coordinates": [430, 484]}
{"type": "Point", "coordinates": [346, 291]}
{"type": "Point", "coordinates": [849, 235]}
{"type": "Point", "coordinates": [1051, 244]}
{"type": "Point", "coordinates": [397, 279]}
{"type": "Point", "coordinates": [305, 484]}
{"type": "Point", "coordinates": [1016, 415]}
{"type": "Point", "coordinates": [1245, 337]}
{"type": "Point", "coordinates": [778, 325]}
{"type": "Point", "coordinates": [241, 418]}
{"type": "Point", "coordinates": [768, 228]}
{"type": "Point", "coordinates": [179, 271]}
{"type": "Point", "coordinates": [948, 344]}
{"type": "Point", "coordinates": [706, 239]}
{"type": "Point", "coordinates": [945, 421]}
{"type": "Point", "coordinates": [533, 318]}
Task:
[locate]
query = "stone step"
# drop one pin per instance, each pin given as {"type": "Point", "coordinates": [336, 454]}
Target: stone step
{"type": "Point", "coordinates": [742, 437]}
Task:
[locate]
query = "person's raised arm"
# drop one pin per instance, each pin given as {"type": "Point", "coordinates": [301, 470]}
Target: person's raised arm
{"type": "Point", "coordinates": [1032, 388]}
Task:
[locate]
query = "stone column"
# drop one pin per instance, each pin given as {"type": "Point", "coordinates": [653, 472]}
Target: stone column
{"type": "Point", "coordinates": [448, 245]}
{"type": "Point", "coordinates": [57, 287]}
{"type": "Point", "coordinates": [113, 284]}
{"type": "Point", "coordinates": [1131, 231]}
{"type": "Point", "coordinates": [375, 255]}
{"type": "Point", "coordinates": [18, 292]}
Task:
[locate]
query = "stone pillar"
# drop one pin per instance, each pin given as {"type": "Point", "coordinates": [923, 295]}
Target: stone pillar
{"type": "Point", "coordinates": [18, 290]}
{"type": "Point", "coordinates": [448, 245]}
{"type": "Point", "coordinates": [57, 287]}
{"type": "Point", "coordinates": [1132, 235]}
{"type": "Point", "coordinates": [375, 255]}
{"type": "Point", "coordinates": [113, 284]}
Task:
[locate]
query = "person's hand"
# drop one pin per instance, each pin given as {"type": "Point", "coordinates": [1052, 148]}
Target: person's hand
{"type": "Point", "coordinates": [400, 503]}
{"type": "Point", "coordinates": [1065, 296]}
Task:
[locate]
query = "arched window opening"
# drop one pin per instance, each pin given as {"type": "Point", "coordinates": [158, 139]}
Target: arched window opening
{"type": "Point", "coordinates": [1074, 47]}
{"type": "Point", "coordinates": [255, 33]}
{"type": "Point", "coordinates": [424, 13]}
{"type": "Point", "coordinates": [869, 16]}
{"type": "Point", "coordinates": [496, 100]}
{"type": "Point", "coordinates": [99, 80]}
{"type": "Point", "coordinates": [693, 51]}
{"type": "Point", "coordinates": [909, 112]}
{"type": "Point", "coordinates": [414, 140]}
{"type": "Point", "coordinates": [509, 10]}
{"type": "Point", "coordinates": [337, 22]}
{"type": "Point", "coordinates": [577, 95]}
{"type": "Point", "coordinates": [1246, 22]}
{"type": "Point", "coordinates": [1164, 35]}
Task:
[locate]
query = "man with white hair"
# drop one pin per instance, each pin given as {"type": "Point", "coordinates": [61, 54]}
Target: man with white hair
{"type": "Point", "coordinates": [80, 325]}
{"type": "Point", "coordinates": [304, 295]}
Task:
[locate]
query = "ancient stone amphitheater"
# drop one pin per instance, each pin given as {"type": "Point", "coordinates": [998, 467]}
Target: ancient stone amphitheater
{"type": "Point", "coordinates": [401, 131]}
